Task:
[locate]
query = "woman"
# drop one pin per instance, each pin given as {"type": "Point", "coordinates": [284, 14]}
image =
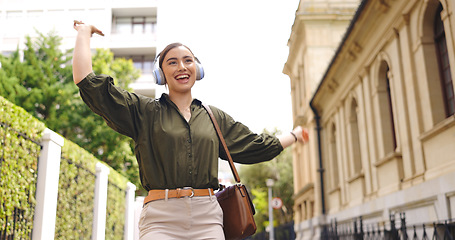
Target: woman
{"type": "Point", "coordinates": [176, 145]}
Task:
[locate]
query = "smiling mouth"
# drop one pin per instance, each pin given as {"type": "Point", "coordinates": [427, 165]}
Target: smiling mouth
{"type": "Point", "coordinates": [182, 77]}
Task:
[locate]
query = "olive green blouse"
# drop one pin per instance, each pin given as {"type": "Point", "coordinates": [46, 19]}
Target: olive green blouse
{"type": "Point", "coordinates": [172, 152]}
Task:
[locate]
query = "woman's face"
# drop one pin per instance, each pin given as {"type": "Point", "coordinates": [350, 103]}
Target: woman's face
{"type": "Point", "coordinates": [179, 69]}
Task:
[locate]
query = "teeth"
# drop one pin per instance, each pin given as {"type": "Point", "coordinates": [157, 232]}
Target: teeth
{"type": "Point", "coordinates": [182, 76]}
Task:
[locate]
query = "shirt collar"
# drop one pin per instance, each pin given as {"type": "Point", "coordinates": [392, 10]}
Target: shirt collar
{"type": "Point", "coordinates": [165, 98]}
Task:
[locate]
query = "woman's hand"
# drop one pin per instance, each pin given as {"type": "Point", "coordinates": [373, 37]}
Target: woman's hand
{"type": "Point", "coordinates": [78, 25]}
{"type": "Point", "coordinates": [301, 134]}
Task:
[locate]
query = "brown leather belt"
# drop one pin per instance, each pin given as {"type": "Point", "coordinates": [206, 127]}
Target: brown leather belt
{"type": "Point", "coordinates": [177, 193]}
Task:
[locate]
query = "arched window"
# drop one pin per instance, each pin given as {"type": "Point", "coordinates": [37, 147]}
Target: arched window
{"type": "Point", "coordinates": [393, 138]}
{"type": "Point", "coordinates": [334, 175]}
{"type": "Point", "coordinates": [386, 111]}
{"type": "Point", "coordinates": [443, 62]}
{"type": "Point", "coordinates": [355, 139]}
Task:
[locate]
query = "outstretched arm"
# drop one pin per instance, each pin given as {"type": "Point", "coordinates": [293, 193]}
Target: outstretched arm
{"type": "Point", "coordinates": [298, 134]}
{"type": "Point", "coordinates": [82, 57]}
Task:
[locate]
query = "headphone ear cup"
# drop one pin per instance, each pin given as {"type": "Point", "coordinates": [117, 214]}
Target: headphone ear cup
{"type": "Point", "coordinates": [199, 70]}
{"type": "Point", "coordinates": [158, 75]}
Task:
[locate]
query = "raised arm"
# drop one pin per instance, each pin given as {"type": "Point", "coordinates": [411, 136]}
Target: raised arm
{"type": "Point", "coordinates": [82, 57]}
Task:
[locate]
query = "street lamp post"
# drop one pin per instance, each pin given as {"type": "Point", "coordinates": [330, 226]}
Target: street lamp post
{"type": "Point", "coordinates": [270, 184]}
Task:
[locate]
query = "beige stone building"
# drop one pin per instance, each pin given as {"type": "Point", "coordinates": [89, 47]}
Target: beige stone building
{"type": "Point", "coordinates": [372, 81]}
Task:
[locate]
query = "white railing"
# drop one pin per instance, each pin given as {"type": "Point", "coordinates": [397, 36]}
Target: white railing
{"type": "Point", "coordinates": [47, 193]}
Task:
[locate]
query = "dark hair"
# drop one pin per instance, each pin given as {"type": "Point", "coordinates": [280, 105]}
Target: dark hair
{"type": "Point", "coordinates": [168, 48]}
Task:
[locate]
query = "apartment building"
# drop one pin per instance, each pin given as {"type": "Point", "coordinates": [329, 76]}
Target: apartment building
{"type": "Point", "coordinates": [130, 28]}
{"type": "Point", "coordinates": [382, 116]}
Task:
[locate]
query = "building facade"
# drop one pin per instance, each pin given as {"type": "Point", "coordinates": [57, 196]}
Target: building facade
{"type": "Point", "coordinates": [130, 28]}
{"type": "Point", "coordinates": [316, 33]}
{"type": "Point", "coordinates": [381, 115]}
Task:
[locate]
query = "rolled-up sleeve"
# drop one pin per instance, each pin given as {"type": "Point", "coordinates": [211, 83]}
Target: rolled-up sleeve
{"type": "Point", "coordinates": [245, 146]}
{"type": "Point", "coordinates": [118, 107]}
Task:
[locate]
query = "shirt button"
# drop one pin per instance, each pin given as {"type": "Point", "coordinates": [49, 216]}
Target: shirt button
{"type": "Point", "coordinates": [189, 154]}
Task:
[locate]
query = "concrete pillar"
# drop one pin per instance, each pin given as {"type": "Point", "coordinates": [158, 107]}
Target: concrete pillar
{"type": "Point", "coordinates": [47, 186]}
{"type": "Point", "coordinates": [129, 211]}
{"type": "Point", "coordinates": [99, 210]}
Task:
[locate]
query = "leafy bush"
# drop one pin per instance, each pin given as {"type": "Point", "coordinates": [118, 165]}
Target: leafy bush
{"type": "Point", "coordinates": [115, 220]}
{"type": "Point", "coordinates": [20, 134]}
{"type": "Point", "coordinates": [76, 193]}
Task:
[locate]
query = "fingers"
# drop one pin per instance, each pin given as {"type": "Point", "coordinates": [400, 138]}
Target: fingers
{"type": "Point", "coordinates": [93, 29]}
{"type": "Point", "coordinates": [302, 134]}
{"type": "Point", "coordinates": [97, 31]}
{"type": "Point", "coordinates": [305, 135]}
{"type": "Point", "coordinates": [76, 22]}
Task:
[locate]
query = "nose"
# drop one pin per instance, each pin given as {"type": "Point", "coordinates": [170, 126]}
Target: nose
{"type": "Point", "coordinates": [181, 66]}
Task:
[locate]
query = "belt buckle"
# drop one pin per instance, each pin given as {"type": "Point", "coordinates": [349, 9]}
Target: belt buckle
{"type": "Point", "coordinates": [192, 191]}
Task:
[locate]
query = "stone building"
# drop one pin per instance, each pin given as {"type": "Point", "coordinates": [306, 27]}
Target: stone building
{"type": "Point", "coordinates": [372, 81]}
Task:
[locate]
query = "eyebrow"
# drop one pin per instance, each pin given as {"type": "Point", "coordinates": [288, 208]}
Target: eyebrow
{"type": "Point", "coordinates": [188, 56]}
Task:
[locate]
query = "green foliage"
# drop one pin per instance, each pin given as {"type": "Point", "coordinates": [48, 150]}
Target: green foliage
{"type": "Point", "coordinates": [42, 84]}
{"type": "Point", "coordinates": [76, 193]}
{"type": "Point", "coordinates": [19, 154]}
{"type": "Point", "coordinates": [254, 177]}
{"type": "Point", "coordinates": [260, 199]}
{"type": "Point", "coordinates": [122, 70]}
{"type": "Point", "coordinates": [116, 206]}
{"type": "Point", "coordinates": [75, 205]}
{"type": "Point", "coordinates": [18, 168]}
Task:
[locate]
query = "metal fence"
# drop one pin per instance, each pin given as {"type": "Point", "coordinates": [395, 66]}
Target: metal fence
{"type": "Point", "coordinates": [393, 230]}
{"type": "Point", "coordinates": [17, 224]}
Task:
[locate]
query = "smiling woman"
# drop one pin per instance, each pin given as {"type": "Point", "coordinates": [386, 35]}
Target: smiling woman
{"type": "Point", "coordinates": [176, 145]}
{"type": "Point", "coordinates": [180, 71]}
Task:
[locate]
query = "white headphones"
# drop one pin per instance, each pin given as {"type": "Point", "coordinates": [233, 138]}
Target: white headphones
{"type": "Point", "coordinates": [158, 74]}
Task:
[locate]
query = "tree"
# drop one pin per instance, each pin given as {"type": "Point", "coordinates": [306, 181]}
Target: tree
{"type": "Point", "coordinates": [42, 84]}
{"type": "Point", "coordinates": [280, 170]}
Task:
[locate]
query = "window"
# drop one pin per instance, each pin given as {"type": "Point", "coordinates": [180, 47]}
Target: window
{"type": "Point", "coordinates": [14, 22]}
{"type": "Point", "coordinates": [393, 138]}
{"type": "Point", "coordinates": [355, 139]}
{"type": "Point", "coordinates": [14, 14]}
{"type": "Point", "coordinates": [385, 119]}
{"type": "Point", "coordinates": [142, 62]}
{"type": "Point", "coordinates": [444, 65]}
{"type": "Point", "coordinates": [134, 25]}
{"type": "Point", "coordinates": [334, 176]}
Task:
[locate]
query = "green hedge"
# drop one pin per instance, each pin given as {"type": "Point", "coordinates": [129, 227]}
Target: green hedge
{"type": "Point", "coordinates": [115, 220]}
{"type": "Point", "coordinates": [76, 183]}
{"type": "Point", "coordinates": [18, 169]}
{"type": "Point", "coordinates": [76, 193]}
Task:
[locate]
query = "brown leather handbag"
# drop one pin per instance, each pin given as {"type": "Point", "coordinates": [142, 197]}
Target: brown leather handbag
{"type": "Point", "coordinates": [238, 210]}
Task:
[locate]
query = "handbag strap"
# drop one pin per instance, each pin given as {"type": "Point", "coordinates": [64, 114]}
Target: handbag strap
{"type": "Point", "coordinates": [223, 142]}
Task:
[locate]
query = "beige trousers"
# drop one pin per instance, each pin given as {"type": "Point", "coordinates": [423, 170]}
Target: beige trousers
{"type": "Point", "coordinates": [182, 218]}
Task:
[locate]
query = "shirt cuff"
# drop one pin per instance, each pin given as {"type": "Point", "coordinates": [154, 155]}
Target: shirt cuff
{"type": "Point", "coordinates": [87, 78]}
